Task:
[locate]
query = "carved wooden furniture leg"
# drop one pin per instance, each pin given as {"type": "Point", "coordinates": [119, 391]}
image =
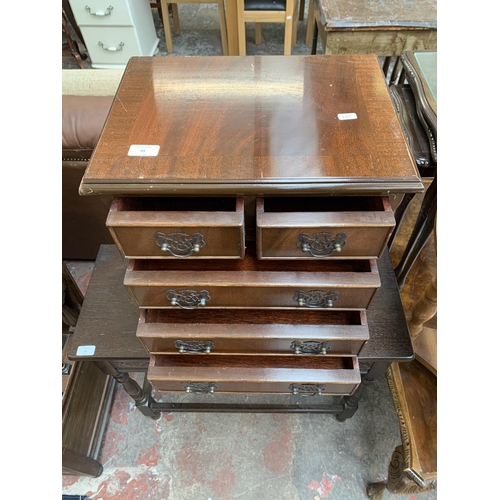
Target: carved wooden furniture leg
{"type": "Point", "coordinates": [413, 465]}
{"type": "Point", "coordinates": [398, 482]}
{"type": "Point", "coordinates": [424, 226]}
{"type": "Point", "coordinates": [424, 309]}
{"type": "Point", "coordinates": [351, 402]}
{"type": "Point", "coordinates": [142, 400]}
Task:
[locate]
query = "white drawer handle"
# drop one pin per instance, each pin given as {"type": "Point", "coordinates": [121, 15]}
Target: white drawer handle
{"type": "Point", "coordinates": [322, 245]}
{"type": "Point", "coordinates": [99, 14]}
{"type": "Point", "coordinates": [111, 49]}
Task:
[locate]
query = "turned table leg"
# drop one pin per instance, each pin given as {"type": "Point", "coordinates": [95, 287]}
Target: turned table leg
{"type": "Point", "coordinates": [351, 402]}
{"type": "Point", "coordinates": [142, 400]}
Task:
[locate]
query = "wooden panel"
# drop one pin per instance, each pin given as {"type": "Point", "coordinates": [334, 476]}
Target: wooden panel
{"type": "Point", "coordinates": [134, 223]}
{"type": "Point", "coordinates": [249, 282]}
{"type": "Point", "coordinates": [366, 223]}
{"type": "Point", "coordinates": [414, 392]}
{"type": "Point", "coordinates": [383, 42]}
{"type": "Point", "coordinates": [242, 331]}
{"type": "Point", "coordinates": [383, 13]}
{"type": "Point", "coordinates": [252, 125]}
{"type": "Point", "coordinates": [340, 376]}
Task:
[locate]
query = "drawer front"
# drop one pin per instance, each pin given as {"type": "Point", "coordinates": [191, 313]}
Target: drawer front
{"type": "Point", "coordinates": [240, 332]}
{"type": "Point", "coordinates": [338, 229]}
{"type": "Point", "coordinates": [112, 45]}
{"type": "Point", "coordinates": [306, 376]}
{"type": "Point", "coordinates": [102, 12]}
{"type": "Point", "coordinates": [267, 285]}
{"type": "Point", "coordinates": [153, 229]}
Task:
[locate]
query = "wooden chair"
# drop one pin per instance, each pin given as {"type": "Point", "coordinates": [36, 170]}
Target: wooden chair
{"type": "Point", "coordinates": [70, 47]}
{"type": "Point", "coordinates": [413, 466]}
{"type": "Point", "coordinates": [265, 11]}
{"type": "Point", "coordinates": [172, 4]}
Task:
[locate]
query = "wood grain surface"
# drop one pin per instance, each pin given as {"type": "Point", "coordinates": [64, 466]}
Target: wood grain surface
{"type": "Point", "coordinates": [252, 125]}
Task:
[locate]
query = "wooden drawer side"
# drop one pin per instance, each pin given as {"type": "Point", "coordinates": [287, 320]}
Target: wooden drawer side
{"type": "Point", "coordinates": [253, 283]}
{"type": "Point", "coordinates": [323, 228]}
{"type": "Point", "coordinates": [312, 332]}
{"type": "Point", "coordinates": [334, 376]}
{"type": "Point", "coordinates": [166, 229]}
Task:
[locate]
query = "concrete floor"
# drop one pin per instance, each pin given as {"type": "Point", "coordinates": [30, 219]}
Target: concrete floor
{"type": "Point", "coordinates": [203, 456]}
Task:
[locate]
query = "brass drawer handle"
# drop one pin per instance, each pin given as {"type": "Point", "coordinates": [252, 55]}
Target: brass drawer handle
{"type": "Point", "coordinates": [307, 389]}
{"type": "Point", "coordinates": [194, 346]}
{"type": "Point", "coordinates": [316, 298]}
{"type": "Point", "coordinates": [310, 347]}
{"type": "Point", "coordinates": [180, 244]}
{"type": "Point", "coordinates": [199, 387]}
{"type": "Point", "coordinates": [188, 299]}
{"type": "Point", "coordinates": [322, 245]}
{"type": "Point", "coordinates": [99, 13]}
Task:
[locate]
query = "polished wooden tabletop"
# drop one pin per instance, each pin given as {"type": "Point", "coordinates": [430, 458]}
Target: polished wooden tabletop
{"type": "Point", "coordinates": [252, 125]}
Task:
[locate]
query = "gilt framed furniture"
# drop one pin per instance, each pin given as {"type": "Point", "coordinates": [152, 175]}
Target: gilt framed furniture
{"type": "Point", "coordinates": [421, 72]}
{"type": "Point", "coordinates": [114, 32]}
{"type": "Point", "coordinates": [254, 215]}
{"type": "Point", "coordinates": [386, 28]}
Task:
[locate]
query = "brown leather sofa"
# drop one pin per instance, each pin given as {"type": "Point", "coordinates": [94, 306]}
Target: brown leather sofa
{"type": "Point", "coordinates": [86, 100]}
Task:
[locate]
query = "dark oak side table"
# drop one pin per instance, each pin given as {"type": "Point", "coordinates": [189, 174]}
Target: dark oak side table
{"type": "Point", "coordinates": [108, 323]}
{"type": "Point", "coordinates": [252, 203]}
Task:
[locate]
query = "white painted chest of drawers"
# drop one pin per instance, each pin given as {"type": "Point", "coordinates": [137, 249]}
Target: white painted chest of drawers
{"type": "Point", "coordinates": [115, 30]}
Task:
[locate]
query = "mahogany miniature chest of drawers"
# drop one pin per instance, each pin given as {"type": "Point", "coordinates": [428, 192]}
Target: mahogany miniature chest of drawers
{"type": "Point", "coordinates": [253, 199]}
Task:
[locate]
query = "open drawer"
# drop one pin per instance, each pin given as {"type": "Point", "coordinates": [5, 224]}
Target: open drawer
{"type": "Point", "coordinates": [252, 283]}
{"type": "Point", "coordinates": [323, 227]}
{"type": "Point", "coordinates": [176, 228]}
{"type": "Point", "coordinates": [241, 331]}
{"type": "Point", "coordinates": [308, 375]}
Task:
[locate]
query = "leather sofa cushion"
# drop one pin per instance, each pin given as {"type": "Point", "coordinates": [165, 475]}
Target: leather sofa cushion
{"type": "Point", "coordinates": [83, 118]}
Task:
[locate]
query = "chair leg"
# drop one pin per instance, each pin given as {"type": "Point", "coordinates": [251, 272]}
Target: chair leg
{"type": "Point", "coordinates": [258, 33]}
{"type": "Point", "coordinates": [223, 27]}
{"type": "Point", "coordinates": [166, 26]}
{"type": "Point", "coordinates": [289, 15]}
{"type": "Point", "coordinates": [295, 22]}
{"type": "Point", "coordinates": [302, 9]}
{"type": "Point", "coordinates": [242, 49]}
{"type": "Point", "coordinates": [310, 23]}
{"type": "Point", "coordinates": [175, 18]}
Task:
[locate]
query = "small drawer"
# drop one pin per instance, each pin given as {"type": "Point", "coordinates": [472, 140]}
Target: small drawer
{"type": "Point", "coordinates": [178, 228]}
{"type": "Point", "coordinates": [323, 227]}
{"type": "Point", "coordinates": [252, 283]}
{"type": "Point", "coordinates": [241, 331]}
{"type": "Point", "coordinates": [102, 12]}
{"type": "Point", "coordinates": [305, 376]}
